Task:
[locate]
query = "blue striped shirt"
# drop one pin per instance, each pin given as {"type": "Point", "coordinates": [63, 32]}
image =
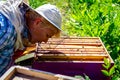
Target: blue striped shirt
{"type": "Point", "coordinates": [7, 41]}
{"type": "Point", "coordinates": [8, 36]}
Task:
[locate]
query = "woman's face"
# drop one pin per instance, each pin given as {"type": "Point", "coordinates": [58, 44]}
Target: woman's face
{"type": "Point", "coordinates": [41, 31]}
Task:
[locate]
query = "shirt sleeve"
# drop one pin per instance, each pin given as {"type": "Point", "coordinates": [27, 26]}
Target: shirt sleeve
{"type": "Point", "coordinates": [7, 41]}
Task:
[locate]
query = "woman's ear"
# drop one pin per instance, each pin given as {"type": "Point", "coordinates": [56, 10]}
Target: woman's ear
{"type": "Point", "coordinates": [37, 20]}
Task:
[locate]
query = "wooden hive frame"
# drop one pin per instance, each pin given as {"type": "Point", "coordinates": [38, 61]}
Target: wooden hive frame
{"type": "Point", "coordinates": [84, 49]}
{"type": "Point", "coordinates": [24, 73]}
{"type": "Point", "coordinates": [76, 49]}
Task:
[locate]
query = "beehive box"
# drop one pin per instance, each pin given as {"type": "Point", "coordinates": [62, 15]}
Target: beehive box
{"type": "Point", "coordinates": [74, 56]}
{"type": "Point", "coordinates": [24, 73]}
{"type": "Point", "coordinates": [71, 56]}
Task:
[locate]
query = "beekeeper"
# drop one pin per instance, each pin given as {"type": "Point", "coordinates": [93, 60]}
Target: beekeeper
{"type": "Point", "coordinates": [21, 26]}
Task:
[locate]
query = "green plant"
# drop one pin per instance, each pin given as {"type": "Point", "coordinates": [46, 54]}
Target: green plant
{"type": "Point", "coordinates": [82, 78]}
{"type": "Point", "coordinates": [116, 75]}
{"type": "Point", "coordinates": [108, 69]}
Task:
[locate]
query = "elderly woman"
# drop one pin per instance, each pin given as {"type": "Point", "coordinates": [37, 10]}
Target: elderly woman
{"type": "Point", "coordinates": [20, 26]}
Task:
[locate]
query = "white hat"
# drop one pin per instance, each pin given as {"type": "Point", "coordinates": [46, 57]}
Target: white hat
{"type": "Point", "coordinates": [50, 13]}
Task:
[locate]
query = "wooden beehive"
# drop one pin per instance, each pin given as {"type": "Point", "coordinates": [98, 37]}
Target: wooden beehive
{"type": "Point", "coordinates": [24, 73]}
{"type": "Point", "coordinates": [73, 56]}
{"type": "Point", "coordinates": [74, 49]}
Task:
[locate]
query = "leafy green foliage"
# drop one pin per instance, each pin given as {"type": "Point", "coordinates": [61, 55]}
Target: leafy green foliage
{"type": "Point", "coordinates": [112, 70]}
{"type": "Point", "coordinates": [36, 3]}
{"type": "Point", "coordinates": [105, 72]}
{"type": "Point", "coordinates": [116, 75]}
{"type": "Point", "coordinates": [106, 64]}
{"type": "Point", "coordinates": [108, 69]}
